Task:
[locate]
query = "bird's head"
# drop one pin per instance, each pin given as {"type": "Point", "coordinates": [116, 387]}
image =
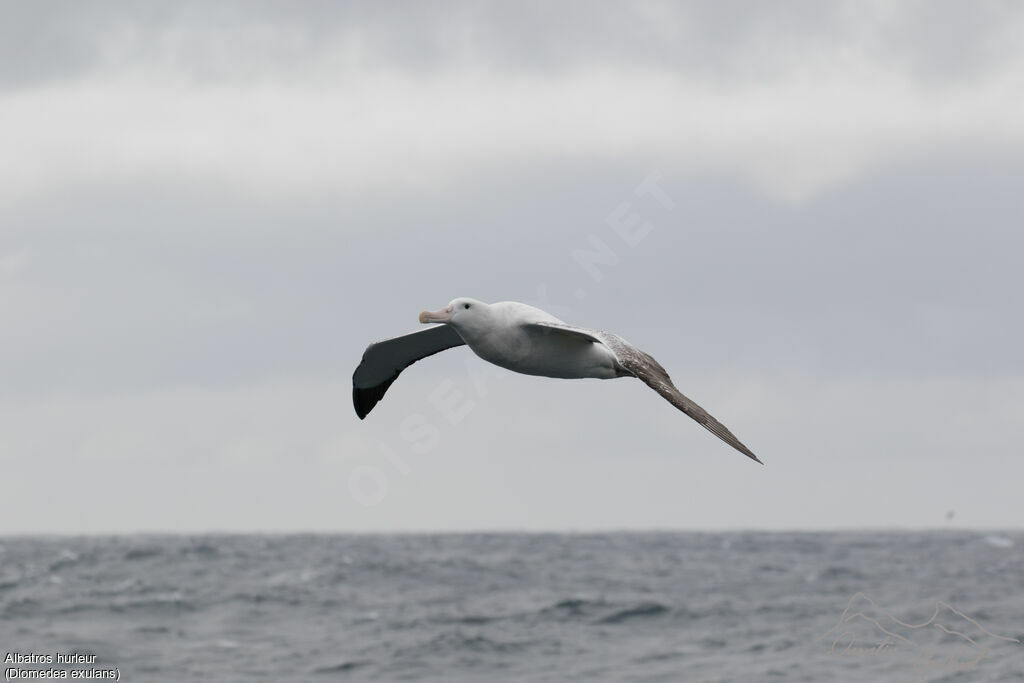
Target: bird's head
{"type": "Point", "coordinates": [461, 312]}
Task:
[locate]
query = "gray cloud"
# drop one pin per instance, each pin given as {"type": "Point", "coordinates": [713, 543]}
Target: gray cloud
{"type": "Point", "coordinates": [941, 41]}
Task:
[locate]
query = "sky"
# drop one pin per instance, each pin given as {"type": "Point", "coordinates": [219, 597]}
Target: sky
{"type": "Point", "coordinates": [810, 213]}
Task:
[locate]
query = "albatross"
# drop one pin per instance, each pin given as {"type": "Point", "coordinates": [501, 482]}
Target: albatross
{"type": "Point", "coordinates": [523, 339]}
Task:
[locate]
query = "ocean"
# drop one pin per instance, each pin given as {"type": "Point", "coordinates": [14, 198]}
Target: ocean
{"type": "Point", "coordinates": [739, 606]}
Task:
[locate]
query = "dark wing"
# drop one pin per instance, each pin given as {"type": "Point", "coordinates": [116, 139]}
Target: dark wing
{"type": "Point", "coordinates": [649, 371]}
{"type": "Point", "coordinates": [384, 361]}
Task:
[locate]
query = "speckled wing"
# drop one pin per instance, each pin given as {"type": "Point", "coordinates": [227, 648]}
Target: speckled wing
{"type": "Point", "coordinates": [642, 366]}
{"type": "Point", "coordinates": [384, 361]}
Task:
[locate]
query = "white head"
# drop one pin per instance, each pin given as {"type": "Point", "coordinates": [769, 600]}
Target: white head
{"type": "Point", "coordinates": [461, 312]}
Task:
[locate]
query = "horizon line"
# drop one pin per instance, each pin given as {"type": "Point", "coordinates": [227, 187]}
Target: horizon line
{"type": "Point", "coordinates": [506, 531]}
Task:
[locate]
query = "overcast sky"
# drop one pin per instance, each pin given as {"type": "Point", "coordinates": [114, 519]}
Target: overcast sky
{"type": "Point", "coordinates": [207, 211]}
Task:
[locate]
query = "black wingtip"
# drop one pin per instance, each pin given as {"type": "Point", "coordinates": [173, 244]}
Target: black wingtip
{"type": "Point", "coordinates": [362, 403]}
{"type": "Point", "coordinates": [364, 399]}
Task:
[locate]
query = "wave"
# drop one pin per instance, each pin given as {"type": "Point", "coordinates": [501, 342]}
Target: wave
{"type": "Point", "coordinates": [467, 619]}
{"type": "Point", "coordinates": [67, 558]}
{"type": "Point", "coordinates": [173, 603]}
{"type": "Point", "coordinates": [573, 607]}
{"type": "Point", "coordinates": [458, 641]}
{"type": "Point", "coordinates": [602, 611]}
{"type": "Point", "coordinates": [999, 541]}
{"type": "Point", "coordinates": [642, 610]}
{"type": "Point", "coordinates": [342, 667]}
{"type": "Point", "coordinates": [201, 549]}
{"type": "Point", "coordinates": [142, 554]}
{"type": "Point", "coordinates": [834, 572]}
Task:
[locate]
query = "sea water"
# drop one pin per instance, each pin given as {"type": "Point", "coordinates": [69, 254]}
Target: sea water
{"type": "Point", "coordinates": [740, 606]}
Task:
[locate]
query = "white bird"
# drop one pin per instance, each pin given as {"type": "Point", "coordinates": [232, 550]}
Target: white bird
{"type": "Point", "coordinates": [523, 339]}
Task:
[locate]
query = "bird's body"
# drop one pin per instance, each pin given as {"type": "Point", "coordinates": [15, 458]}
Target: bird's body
{"type": "Point", "coordinates": [505, 334]}
{"type": "Point", "coordinates": [527, 340]}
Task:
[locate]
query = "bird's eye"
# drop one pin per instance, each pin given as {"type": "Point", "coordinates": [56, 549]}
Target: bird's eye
{"type": "Point", "coordinates": [465, 305]}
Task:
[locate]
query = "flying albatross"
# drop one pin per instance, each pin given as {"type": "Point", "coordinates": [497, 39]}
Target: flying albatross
{"type": "Point", "coordinates": [523, 339]}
